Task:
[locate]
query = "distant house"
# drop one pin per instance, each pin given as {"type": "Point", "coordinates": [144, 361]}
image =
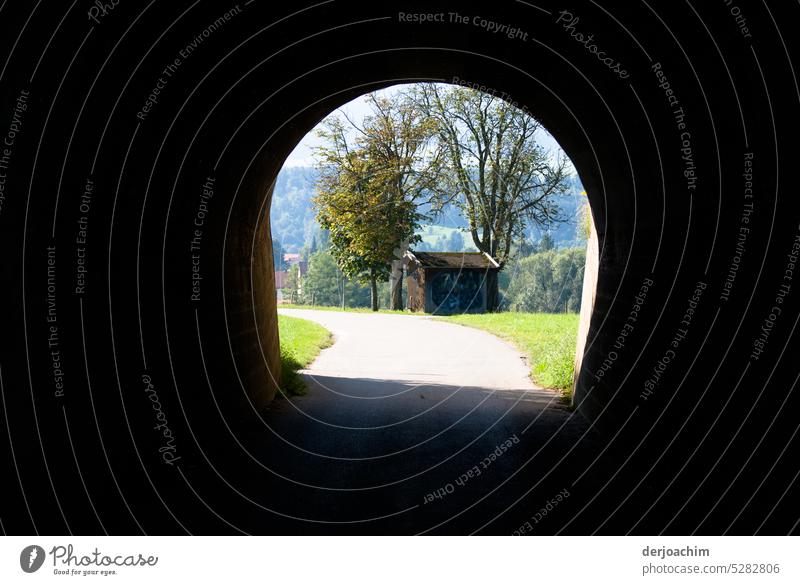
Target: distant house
{"type": "Point", "coordinates": [448, 282]}
{"type": "Point", "coordinates": [281, 279]}
{"type": "Point", "coordinates": [292, 259]}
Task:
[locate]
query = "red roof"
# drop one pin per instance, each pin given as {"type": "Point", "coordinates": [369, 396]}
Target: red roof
{"type": "Point", "coordinates": [291, 258]}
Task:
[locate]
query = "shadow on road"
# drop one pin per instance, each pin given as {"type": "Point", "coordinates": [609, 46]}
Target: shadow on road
{"type": "Point", "coordinates": [399, 457]}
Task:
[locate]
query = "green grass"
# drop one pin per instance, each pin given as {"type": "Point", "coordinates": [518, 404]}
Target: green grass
{"type": "Point", "coordinates": [301, 342]}
{"type": "Point", "coordinates": [431, 233]}
{"type": "Point", "coordinates": [547, 339]}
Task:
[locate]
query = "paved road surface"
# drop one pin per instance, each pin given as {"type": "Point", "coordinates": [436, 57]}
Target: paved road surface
{"type": "Point", "coordinates": [417, 349]}
{"type": "Point", "coordinates": [403, 407]}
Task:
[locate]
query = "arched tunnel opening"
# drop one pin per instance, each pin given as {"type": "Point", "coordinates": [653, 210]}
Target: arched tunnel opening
{"type": "Point", "coordinates": [458, 277]}
{"type": "Point", "coordinates": [260, 254]}
{"type": "Point", "coordinates": [146, 346]}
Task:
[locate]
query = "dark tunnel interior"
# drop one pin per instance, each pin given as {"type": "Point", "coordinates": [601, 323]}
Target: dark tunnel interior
{"type": "Point", "coordinates": [687, 404]}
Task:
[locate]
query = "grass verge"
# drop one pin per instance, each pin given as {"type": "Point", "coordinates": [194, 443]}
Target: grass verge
{"type": "Point", "coordinates": [301, 342]}
{"type": "Point", "coordinates": [547, 339]}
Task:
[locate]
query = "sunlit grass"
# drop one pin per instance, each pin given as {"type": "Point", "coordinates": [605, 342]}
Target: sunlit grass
{"type": "Point", "coordinates": [547, 339]}
{"type": "Point", "coordinates": [301, 342]}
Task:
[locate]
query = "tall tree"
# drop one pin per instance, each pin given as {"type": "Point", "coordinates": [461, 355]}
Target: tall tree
{"type": "Point", "coordinates": [292, 287]}
{"type": "Point", "coordinates": [548, 282]}
{"type": "Point", "coordinates": [497, 172]}
{"type": "Point", "coordinates": [546, 243]}
{"type": "Point", "coordinates": [396, 139]}
{"type": "Point", "coordinates": [321, 283]}
{"type": "Point", "coordinates": [364, 220]}
{"type": "Point", "coordinates": [277, 254]}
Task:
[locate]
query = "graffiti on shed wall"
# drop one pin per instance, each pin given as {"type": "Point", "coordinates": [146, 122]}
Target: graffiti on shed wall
{"type": "Point", "coordinates": [457, 291]}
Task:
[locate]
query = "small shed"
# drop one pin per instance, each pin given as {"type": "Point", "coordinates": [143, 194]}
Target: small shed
{"type": "Point", "coordinates": [448, 282]}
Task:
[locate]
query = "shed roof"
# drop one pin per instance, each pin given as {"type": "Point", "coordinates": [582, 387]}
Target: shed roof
{"type": "Point", "coordinates": [452, 260]}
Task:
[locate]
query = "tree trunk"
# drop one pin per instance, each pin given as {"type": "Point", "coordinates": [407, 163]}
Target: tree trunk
{"type": "Point", "coordinates": [492, 291]}
{"type": "Point", "coordinates": [373, 287]}
{"type": "Point", "coordinates": [396, 277]}
{"type": "Point", "coordinates": [397, 287]}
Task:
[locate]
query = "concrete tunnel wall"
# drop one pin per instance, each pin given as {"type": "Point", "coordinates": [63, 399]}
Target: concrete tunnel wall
{"type": "Point", "coordinates": [665, 188]}
{"type": "Point", "coordinates": [590, 274]}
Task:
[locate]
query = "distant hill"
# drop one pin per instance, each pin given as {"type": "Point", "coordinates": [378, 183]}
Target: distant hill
{"type": "Point", "coordinates": [291, 215]}
{"type": "Point", "coordinates": [439, 238]}
{"type": "Point", "coordinates": [293, 223]}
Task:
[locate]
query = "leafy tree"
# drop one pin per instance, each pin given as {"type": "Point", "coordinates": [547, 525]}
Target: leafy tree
{"type": "Point", "coordinates": [325, 284]}
{"type": "Point", "coordinates": [502, 177]}
{"type": "Point", "coordinates": [548, 282]}
{"type": "Point", "coordinates": [321, 283]}
{"type": "Point", "coordinates": [355, 294]}
{"type": "Point", "coordinates": [277, 254]}
{"type": "Point", "coordinates": [324, 242]}
{"type": "Point", "coordinates": [526, 248]}
{"type": "Point", "coordinates": [293, 283]}
{"type": "Point", "coordinates": [363, 219]}
{"type": "Point", "coordinates": [392, 146]}
{"type": "Point", "coordinates": [546, 243]}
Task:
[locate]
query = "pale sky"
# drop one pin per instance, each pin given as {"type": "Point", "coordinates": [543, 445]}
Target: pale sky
{"type": "Point", "coordinates": [356, 110]}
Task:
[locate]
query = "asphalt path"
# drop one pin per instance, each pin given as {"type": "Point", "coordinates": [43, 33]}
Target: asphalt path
{"type": "Point", "coordinates": [414, 425]}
